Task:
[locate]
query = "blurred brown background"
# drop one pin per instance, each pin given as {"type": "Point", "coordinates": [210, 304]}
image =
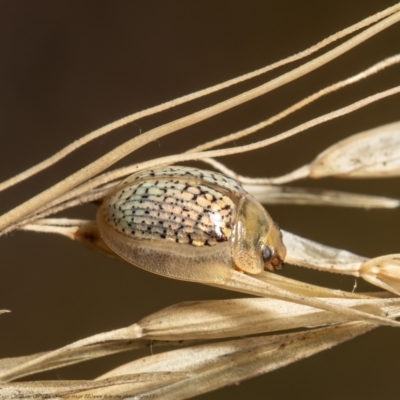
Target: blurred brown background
{"type": "Point", "coordinates": [69, 67]}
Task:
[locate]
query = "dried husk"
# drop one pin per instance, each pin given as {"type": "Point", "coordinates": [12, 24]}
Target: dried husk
{"type": "Point", "coordinates": [213, 366]}
{"type": "Point", "coordinates": [195, 370]}
{"type": "Point", "coordinates": [384, 272]}
{"type": "Point", "coordinates": [190, 321]}
{"type": "Point", "coordinates": [371, 154]}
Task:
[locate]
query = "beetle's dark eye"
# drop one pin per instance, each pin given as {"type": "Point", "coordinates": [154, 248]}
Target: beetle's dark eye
{"type": "Point", "coordinates": [266, 254]}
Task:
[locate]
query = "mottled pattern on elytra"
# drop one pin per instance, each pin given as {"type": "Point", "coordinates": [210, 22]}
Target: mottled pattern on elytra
{"type": "Point", "coordinates": [177, 204]}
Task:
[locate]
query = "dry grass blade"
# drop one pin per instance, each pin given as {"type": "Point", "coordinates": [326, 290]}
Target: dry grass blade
{"type": "Point", "coordinates": [13, 362]}
{"type": "Point", "coordinates": [90, 191]}
{"type": "Point", "coordinates": [238, 317]}
{"type": "Point", "coordinates": [370, 154]}
{"type": "Point", "coordinates": [247, 284]}
{"type": "Point", "coordinates": [16, 214]}
{"type": "Point", "coordinates": [18, 367]}
{"type": "Point", "coordinates": [64, 389]}
{"type": "Point", "coordinates": [216, 365]}
{"type": "Point", "coordinates": [177, 158]}
{"type": "Point", "coordinates": [165, 106]}
{"type": "Point", "coordinates": [307, 289]}
{"type": "Point", "coordinates": [283, 114]}
{"type": "Point", "coordinates": [62, 226]}
{"type": "Point", "coordinates": [310, 254]}
{"type": "Point", "coordinates": [269, 194]}
{"type": "Point", "coordinates": [195, 321]}
{"type": "Point", "coordinates": [302, 172]}
{"type": "Point", "coordinates": [383, 271]}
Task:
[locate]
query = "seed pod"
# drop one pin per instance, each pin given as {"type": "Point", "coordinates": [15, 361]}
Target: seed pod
{"type": "Point", "coordinates": [189, 224]}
